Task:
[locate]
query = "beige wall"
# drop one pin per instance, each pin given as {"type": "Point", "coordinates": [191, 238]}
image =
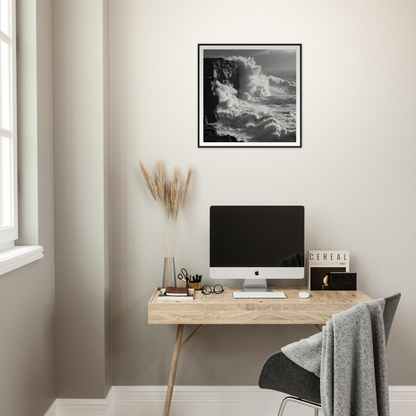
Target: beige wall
{"type": "Point", "coordinates": [82, 198]}
{"type": "Point", "coordinates": [355, 173]}
{"type": "Point", "coordinates": [27, 295]}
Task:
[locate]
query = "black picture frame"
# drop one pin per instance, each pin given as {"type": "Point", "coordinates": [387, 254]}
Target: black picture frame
{"type": "Point", "coordinates": [250, 95]}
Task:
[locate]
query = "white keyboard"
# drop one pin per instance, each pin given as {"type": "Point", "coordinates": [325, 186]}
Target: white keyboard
{"type": "Point", "coordinates": [259, 295]}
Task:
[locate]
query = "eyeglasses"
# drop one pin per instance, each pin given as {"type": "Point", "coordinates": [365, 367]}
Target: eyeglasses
{"type": "Point", "coordinates": [207, 290]}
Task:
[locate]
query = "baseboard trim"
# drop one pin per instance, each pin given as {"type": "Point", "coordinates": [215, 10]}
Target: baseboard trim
{"type": "Point", "coordinates": [86, 407]}
{"type": "Point", "coordinates": [194, 394]}
{"type": "Point", "coordinates": [402, 394]}
{"type": "Point", "coordinates": [203, 400]}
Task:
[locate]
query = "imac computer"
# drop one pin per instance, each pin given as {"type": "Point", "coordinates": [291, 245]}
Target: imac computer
{"type": "Point", "coordinates": [256, 243]}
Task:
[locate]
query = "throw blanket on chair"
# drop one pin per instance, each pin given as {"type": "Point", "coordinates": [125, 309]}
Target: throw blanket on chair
{"type": "Point", "coordinates": [350, 358]}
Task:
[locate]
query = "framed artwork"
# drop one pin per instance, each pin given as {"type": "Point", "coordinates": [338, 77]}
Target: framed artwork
{"type": "Point", "coordinates": [249, 95]}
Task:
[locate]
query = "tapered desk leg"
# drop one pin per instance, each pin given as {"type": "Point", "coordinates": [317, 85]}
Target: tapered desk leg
{"type": "Point", "coordinates": [173, 368]}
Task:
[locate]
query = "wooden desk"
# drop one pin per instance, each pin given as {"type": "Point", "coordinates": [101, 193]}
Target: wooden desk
{"type": "Point", "coordinates": [223, 309]}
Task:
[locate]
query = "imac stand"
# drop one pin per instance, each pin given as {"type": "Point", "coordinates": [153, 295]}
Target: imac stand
{"type": "Point", "coordinates": [255, 285]}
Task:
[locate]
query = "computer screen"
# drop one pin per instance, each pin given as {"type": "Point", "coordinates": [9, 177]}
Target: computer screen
{"type": "Point", "coordinates": [256, 242]}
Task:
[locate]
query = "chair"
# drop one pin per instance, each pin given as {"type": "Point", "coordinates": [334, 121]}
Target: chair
{"type": "Point", "coordinates": [281, 374]}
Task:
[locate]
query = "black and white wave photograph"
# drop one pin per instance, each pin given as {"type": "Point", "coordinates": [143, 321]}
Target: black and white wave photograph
{"type": "Point", "coordinates": [249, 95]}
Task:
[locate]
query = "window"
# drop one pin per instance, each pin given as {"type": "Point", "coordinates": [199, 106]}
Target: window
{"type": "Point", "coordinates": [11, 256]}
{"type": "Point", "coordinates": [8, 146]}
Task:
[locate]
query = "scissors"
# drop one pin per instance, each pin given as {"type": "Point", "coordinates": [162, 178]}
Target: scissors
{"type": "Point", "coordinates": [183, 275]}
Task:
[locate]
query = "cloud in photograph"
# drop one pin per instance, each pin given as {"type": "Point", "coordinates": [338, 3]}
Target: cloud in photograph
{"type": "Point", "coordinates": [269, 59]}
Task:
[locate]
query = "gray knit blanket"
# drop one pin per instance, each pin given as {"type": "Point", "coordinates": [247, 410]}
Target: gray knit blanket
{"type": "Point", "coordinates": [349, 356]}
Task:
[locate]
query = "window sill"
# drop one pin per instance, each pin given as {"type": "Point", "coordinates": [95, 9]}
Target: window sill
{"type": "Point", "coordinates": [18, 256]}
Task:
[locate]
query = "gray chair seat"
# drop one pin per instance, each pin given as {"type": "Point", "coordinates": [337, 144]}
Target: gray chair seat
{"type": "Point", "coordinates": [282, 374]}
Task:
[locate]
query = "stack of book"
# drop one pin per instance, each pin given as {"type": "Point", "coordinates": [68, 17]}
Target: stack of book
{"type": "Point", "coordinates": [176, 293]}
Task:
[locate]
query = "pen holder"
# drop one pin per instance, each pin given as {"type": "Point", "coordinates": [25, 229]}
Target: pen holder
{"type": "Point", "coordinates": [195, 286]}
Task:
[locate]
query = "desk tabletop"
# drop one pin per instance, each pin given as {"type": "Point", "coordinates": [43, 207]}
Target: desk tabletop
{"type": "Point", "coordinates": [218, 309]}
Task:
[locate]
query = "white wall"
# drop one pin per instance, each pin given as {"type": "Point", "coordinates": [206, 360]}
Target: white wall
{"type": "Point", "coordinates": [355, 173]}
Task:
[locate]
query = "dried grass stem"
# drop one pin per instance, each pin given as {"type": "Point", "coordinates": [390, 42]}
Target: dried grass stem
{"type": "Point", "coordinates": [170, 198]}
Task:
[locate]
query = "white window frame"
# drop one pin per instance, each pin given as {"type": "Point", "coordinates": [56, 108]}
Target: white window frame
{"type": "Point", "coordinates": [9, 233]}
{"type": "Point", "coordinates": [12, 256]}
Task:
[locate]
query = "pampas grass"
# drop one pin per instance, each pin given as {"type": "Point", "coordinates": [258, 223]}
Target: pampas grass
{"type": "Point", "coordinates": [186, 183]}
{"type": "Point", "coordinates": [166, 197]}
{"type": "Point", "coordinates": [148, 179]}
{"type": "Point", "coordinates": [174, 193]}
{"type": "Point", "coordinates": [160, 181]}
{"type": "Point", "coordinates": [170, 199]}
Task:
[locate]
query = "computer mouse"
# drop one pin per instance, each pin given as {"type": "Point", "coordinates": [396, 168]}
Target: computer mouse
{"type": "Point", "coordinates": [304, 295]}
